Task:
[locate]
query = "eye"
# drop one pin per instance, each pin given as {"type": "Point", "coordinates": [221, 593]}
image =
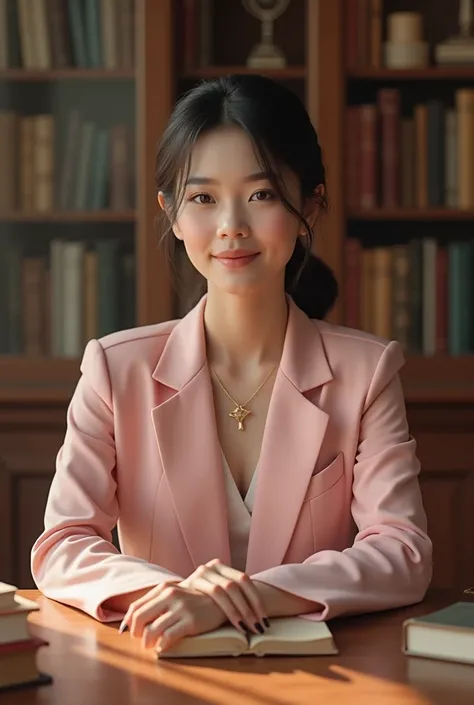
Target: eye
{"type": "Point", "coordinates": [263, 195]}
{"type": "Point", "coordinates": [202, 199]}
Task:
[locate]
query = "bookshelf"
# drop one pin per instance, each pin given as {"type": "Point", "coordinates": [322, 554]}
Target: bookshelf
{"type": "Point", "coordinates": [177, 43]}
{"type": "Point", "coordinates": [344, 86]}
{"type": "Point", "coordinates": [116, 68]}
{"type": "Point", "coordinates": [438, 388]}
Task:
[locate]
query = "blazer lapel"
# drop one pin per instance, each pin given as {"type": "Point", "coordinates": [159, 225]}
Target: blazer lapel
{"type": "Point", "coordinates": [186, 432]}
{"type": "Point", "coordinates": [294, 432]}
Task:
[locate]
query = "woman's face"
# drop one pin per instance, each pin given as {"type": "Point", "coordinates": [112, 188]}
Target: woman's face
{"type": "Point", "coordinates": [236, 231]}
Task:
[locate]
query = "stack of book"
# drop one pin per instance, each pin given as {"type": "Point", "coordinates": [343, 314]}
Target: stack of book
{"type": "Point", "coordinates": [18, 647]}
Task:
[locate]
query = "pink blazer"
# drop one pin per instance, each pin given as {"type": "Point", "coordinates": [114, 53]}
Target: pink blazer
{"type": "Point", "coordinates": [338, 515]}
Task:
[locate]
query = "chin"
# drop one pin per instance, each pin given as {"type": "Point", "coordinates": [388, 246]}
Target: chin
{"type": "Point", "coordinates": [240, 288]}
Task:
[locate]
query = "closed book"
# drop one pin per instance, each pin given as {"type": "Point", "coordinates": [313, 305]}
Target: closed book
{"type": "Point", "coordinates": [407, 163]}
{"type": "Point", "coordinates": [382, 302]}
{"type": "Point", "coordinates": [18, 666]}
{"type": "Point", "coordinates": [451, 185]}
{"type": "Point", "coordinates": [401, 295]}
{"type": "Point", "coordinates": [465, 145]}
{"type": "Point", "coordinates": [13, 620]}
{"type": "Point", "coordinates": [459, 298]}
{"type": "Point", "coordinates": [389, 100]}
{"type": "Point", "coordinates": [430, 248]}
{"type": "Point", "coordinates": [7, 596]}
{"type": "Point", "coordinates": [447, 634]}
{"type": "Point", "coordinates": [436, 136]}
{"type": "Point", "coordinates": [421, 146]}
{"type": "Point", "coordinates": [368, 156]}
{"type": "Point", "coordinates": [352, 281]}
{"type": "Point", "coordinates": [285, 636]}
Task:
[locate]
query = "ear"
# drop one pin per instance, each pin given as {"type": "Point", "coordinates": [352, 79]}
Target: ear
{"type": "Point", "coordinates": [313, 205]}
{"type": "Point", "coordinates": [162, 203]}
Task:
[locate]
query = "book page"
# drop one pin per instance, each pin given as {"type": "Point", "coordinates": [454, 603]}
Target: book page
{"type": "Point", "coordinates": [294, 635]}
{"type": "Point", "coordinates": [225, 641]}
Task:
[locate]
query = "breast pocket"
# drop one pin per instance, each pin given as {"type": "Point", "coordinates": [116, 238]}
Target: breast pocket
{"type": "Point", "coordinates": [326, 478]}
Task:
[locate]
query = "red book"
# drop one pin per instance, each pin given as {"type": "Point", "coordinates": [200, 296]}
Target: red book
{"type": "Point", "coordinates": [351, 35]}
{"type": "Point", "coordinates": [352, 281]}
{"type": "Point", "coordinates": [368, 156]}
{"type": "Point", "coordinates": [389, 108]}
{"type": "Point", "coordinates": [353, 158]}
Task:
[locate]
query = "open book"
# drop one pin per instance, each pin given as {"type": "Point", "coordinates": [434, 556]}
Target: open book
{"type": "Point", "coordinates": [286, 636]}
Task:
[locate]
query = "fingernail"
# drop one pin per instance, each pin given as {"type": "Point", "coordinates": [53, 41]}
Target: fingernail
{"type": "Point", "coordinates": [259, 627]}
{"type": "Point", "coordinates": [243, 626]}
{"type": "Point", "coordinates": [266, 622]}
{"type": "Point", "coordinates": [123, 627]}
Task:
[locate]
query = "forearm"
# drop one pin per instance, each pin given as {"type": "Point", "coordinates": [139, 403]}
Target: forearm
{"type": "Point", "coordinates": [279, 603]}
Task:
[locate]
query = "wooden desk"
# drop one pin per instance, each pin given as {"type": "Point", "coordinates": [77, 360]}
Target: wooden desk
{"type": "Point", "coordinates": [91, 663]}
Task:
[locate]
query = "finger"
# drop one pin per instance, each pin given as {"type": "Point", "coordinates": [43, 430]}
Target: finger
{"type": "Point", "coordinates": [156, 629]}
{"type": "Point", "coordinates": [248, 588]}
{"type": "Point", "coordinates": [176, 632]}
{"type": "Point", "coordinates": [230, 588]}
{"type": "Point", "coordinates": [220, 597]}
{"type": "Point", "coordinates": [149, 612]}
{"type": "Point", "coordinates": [134, 606]}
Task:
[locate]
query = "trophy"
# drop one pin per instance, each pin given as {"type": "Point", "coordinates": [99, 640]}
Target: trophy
{"type": "Point", "coordinates": [266, 55]}
{"type": "Point", "coordinates": [459, 49]}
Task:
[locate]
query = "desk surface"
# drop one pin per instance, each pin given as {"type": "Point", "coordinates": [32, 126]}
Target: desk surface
{"type": "Point", "coordinates": [91, 663]}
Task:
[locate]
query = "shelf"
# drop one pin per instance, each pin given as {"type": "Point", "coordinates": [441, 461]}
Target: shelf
{"type": "Point", "coordinates": [37, 379]}
{"type": "Point", "coordinates": [438, 379]}
{"type": "Point", "coordinates": [432, 73]}
{"type": "Point", "coordinates": [105, 216]}
{"type": "Point", "coordinates": [64, 74]}
{"type": "Point", "coordinates": [426, 214]}
{"type": "Point", "coordinates": [216, 71]}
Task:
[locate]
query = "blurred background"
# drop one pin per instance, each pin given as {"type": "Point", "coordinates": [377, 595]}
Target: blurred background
{"type": "Point", "coordinates": [86, 88]}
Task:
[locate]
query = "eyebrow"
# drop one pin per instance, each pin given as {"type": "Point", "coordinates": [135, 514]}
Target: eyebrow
{"type": "Point", "coordinates": [202, 180]}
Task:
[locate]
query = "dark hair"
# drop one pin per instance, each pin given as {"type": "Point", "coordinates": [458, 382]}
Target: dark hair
{"type": "Point", "coordinates": [280, 128]}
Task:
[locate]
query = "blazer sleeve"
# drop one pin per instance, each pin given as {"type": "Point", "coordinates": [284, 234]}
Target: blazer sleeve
{"type": "Point", "coordinates": [390, 562]}
{"type": "Point", "coordinates": [74, 560]}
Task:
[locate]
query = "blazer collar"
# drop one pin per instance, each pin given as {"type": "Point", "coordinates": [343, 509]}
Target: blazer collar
{"type": "Point", "coordinates": [304, 361]}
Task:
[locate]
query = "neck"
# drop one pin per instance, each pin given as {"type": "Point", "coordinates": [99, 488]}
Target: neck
{"type": "Point", "coordinates": [244, 331]}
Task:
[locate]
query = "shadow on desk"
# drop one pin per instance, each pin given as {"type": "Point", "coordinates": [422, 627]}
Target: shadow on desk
{"type": "Point", "coordinates": [91, 662]}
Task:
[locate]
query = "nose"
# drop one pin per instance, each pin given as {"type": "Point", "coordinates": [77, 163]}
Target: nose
{"type": "Point", "coordinates": [232, 223]}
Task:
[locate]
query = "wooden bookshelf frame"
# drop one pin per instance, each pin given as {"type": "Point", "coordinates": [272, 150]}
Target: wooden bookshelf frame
{"type": "Point", "coordinates": [22, 75]}
{"type": "Point", "coordinates": [156, 76]}
{"type": "Point", "coordinates": [87, 216]}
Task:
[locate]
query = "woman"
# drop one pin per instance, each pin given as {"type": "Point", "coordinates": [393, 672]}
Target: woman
{"type": "Point", "coordinates": [257, 460]}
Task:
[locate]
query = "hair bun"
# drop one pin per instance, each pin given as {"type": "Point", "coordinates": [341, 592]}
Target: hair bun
{"type": "Point", "coordinates": [316, 289]}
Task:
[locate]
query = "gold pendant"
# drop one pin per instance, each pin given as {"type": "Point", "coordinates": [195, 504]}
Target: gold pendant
{"type": "Point", "coordinates": [240, 413]}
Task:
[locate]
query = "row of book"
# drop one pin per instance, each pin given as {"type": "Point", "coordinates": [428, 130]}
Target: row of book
{"type": "Point", "coordinates": [54, 305]}
{"type": "Point", "coordinates": [417, 161]}
{"type": "Point", "coordinates": [47, 34]}
{"type": "Point", "coordinates": [419, 293]}
{"type": "Point", "coordinates": [18, 647]}
{"type": "Point", "coordinates": [93, 170]}
{"type": "Point", "coordinates": [363, 34]}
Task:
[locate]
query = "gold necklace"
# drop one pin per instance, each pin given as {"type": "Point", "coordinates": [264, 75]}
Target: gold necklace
{"type": "Point", "coordinates": [241, 412]}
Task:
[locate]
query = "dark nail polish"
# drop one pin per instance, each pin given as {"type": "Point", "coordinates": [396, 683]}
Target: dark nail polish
{"type": "Point", "coordinates": [259, 627]}
{"type": "Point", "coordinates": [266, 622]}
{"type": "Point", "coordinates": [243, 626]}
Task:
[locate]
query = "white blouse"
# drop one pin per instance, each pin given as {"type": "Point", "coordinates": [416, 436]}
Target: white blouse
{"type": "Point", "coordinates": [239, 512]}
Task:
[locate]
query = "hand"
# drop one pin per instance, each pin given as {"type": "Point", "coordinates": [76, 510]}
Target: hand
{"type": "Point", "coordinates": [169, 612]}
{"type": "Point", "coordinates": [233, 591]}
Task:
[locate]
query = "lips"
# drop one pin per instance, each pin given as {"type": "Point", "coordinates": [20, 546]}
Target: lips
{"type": "Point", "coordinates": [235, 259]}
{"type": "Point", "coordinates": [235, 254]}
